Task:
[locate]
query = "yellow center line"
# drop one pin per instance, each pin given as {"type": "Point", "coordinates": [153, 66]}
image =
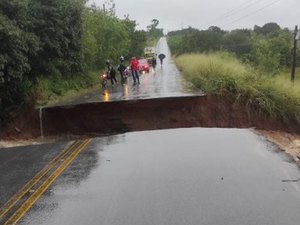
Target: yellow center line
{"type": "Point", "coordinates": [14, 199]}
{"type": "Point", "coordinates": [41, 189]}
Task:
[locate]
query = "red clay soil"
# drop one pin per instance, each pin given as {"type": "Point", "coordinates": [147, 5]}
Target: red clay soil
{"type": "Point", "coordinates": [24, 124]}
{"type": "Point", "coordinates": [98, 119]}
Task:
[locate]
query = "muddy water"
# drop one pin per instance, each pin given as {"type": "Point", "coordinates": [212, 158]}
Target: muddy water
{"type": "Point", "coordinates": [180, 176]}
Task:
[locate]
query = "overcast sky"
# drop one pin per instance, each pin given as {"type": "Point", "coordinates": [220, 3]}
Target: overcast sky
{"type": "Point", "coordinates": [201, 14]}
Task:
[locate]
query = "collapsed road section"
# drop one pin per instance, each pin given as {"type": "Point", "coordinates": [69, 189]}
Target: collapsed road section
{"type": "Point", "coordinates": [102, 118]}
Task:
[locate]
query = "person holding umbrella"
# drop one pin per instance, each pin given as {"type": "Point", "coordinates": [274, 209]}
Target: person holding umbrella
{"type": "Point", "coordinates": [161, 57]}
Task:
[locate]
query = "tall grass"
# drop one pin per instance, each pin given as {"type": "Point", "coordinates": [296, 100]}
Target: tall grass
{"type": "Point", "coordinates": [222, 74]}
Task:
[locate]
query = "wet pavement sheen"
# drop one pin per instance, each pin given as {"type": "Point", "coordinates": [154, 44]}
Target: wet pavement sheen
{"type": "Point", "coordinates": [163, 81]}
{"type": "Point", "coordinates": [19, 164]}
{"type": "Point", "coordinates": [192, 176]}
{"type": "Point", "coordinates": [179, 176]}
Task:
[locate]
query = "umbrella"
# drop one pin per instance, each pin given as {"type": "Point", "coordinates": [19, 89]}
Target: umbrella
{"type": "Point", "coordinates": [161, 56]}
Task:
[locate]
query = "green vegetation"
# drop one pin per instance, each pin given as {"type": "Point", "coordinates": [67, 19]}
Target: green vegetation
{"type": "Point", "coordinates": [266, 48]}
{"type": "Point", "coordinates": [153, 32]}
{"type": "Point", "coordinates": [48, 48]}
{"type": "Point", "coordinates": [49, 89]}
{"type": "Point", "coordinates": [222, 74]}
{"type": "Point", "coordinates": [248, 65]}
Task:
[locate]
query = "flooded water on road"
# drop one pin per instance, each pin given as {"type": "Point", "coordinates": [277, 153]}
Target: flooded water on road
{"type": "Point", "coordinates": [179, 176]}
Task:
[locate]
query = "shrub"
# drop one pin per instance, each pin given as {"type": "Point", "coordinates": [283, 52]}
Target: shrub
{"type": "Point", "coordinates": [220, 74]}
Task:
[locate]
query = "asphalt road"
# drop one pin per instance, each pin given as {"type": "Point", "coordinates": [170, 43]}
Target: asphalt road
{"type": "Point", "coordinates": [182, 176]}
{"type": "Point", "coordinates": [163, 81]}
{"type": "Point", "coordinates": [19, 164]}
{"type": "Point", "coordinates": [179, 176]}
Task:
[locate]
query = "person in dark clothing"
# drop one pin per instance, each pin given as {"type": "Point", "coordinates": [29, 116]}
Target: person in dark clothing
{"type": "Point", "coordinates": [154, 62]}
{"type": "Point", "coordinates": [121, 68]}
{"type": "Point", "coordinates": [111, 72]}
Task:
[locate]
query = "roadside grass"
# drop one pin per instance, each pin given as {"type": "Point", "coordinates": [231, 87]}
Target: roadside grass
{"type": "Point", "coordinates": [47, 90]}
{"type": "Point", "coordinates": [222, 74]}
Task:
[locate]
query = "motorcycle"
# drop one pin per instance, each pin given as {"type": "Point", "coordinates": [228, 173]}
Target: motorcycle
{"type": "Point", "coordinates": [125, 75]}
{"type": "Point", "coordinates": [104, 78]}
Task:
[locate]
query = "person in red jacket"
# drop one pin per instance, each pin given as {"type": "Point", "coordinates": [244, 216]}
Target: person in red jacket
{"type": "Point", "coordinates": [134, 64]}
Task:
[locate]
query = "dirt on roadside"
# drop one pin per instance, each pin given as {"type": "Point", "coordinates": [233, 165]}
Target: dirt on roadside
{"type": "Point", "coordinates": [288, 142]}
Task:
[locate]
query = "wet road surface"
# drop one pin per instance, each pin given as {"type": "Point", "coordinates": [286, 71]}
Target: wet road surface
{"type": "Point", "coordinates": [17, 165]}
{"type": "Point", "coordinates": [163, 81]}
{"type": "Point", "coordinates": [180, 176]}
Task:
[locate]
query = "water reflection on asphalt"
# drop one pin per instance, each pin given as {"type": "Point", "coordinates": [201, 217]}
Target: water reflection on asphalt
{"type": "Point", "coordinates": [177, 176]}
{"type": "Point", "coordinates": [162, 81]}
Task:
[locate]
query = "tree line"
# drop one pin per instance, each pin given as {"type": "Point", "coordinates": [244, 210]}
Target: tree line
{"type": "Point", "coordinates": [268, 48]}
{"type": "Point", "coordinates": [58, 38]}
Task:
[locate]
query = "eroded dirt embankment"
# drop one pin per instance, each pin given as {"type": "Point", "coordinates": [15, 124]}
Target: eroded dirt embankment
{"type": "Point", "coordinates": [97, 119]}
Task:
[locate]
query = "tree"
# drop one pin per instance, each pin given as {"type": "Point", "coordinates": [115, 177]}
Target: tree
{"type": "Point", "coordinates": [57, 23]}
{"type": "Point", "coordinates": [270, 54]}
{"type": "Point", "coordinates": [153, 31]}
{"type": "Point", "coordinates": [137, 38]}
{"type": "Point", "coordinates": [107, 37]}
{"type": "Point", "coordinates": [193, 40]}
{"type": "Point", "coordinates": [153, 25]}
{"type": "Point", "coordinates": [215, 29]}
{"type": "Point", "coordinates": [109, 7]}
{"type": "Point", "coordinates": [238, 41]}
{"type": "Point", "coordinates": [37, 37]}
{"type": "Point", "coordinates": [17, 45]}
{"type": "Point", "coordinates": [267, 29]}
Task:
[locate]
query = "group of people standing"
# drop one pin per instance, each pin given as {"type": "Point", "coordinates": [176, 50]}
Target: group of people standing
{"type": "Point", "coordinates": [123, 70]}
